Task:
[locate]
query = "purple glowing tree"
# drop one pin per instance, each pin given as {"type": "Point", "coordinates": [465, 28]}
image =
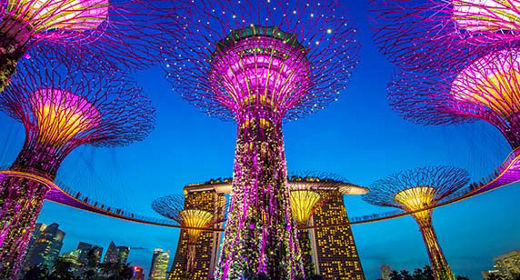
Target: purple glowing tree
{"type": "Point", "coordinates": [123, 33]}
{"type": "Point", "coordinates": [60, 111]}
{"type": "Point", "coordinates": [419, 34]}
{"type": "Point", "coordinates": [414, 190]}
{"type": "Point", "coordinates": [258, 63]}
{"type": "Point", "coordinates": [486, 88]}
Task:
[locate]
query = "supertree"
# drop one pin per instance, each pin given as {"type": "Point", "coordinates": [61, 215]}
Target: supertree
{"type": "Point", "coordinates": [195, 220]}
{"type": "Point", "coordinates": [308, 194]}
{"type": "Point", "coordinates": [419, 34]}
{"type": "Point", "coordinates": [260, 62]}
{"type": "Point", "coordinates": [414, 190]}
{"type": "Point", "coordinates": [60, 111]}
{"type": "Point", "coordinates": [122, 33]}
{"type": "Point", "coordinates": [487, 88]}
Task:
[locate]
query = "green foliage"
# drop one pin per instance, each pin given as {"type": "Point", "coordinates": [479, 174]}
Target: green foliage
{"type": "Point", "coordinates": [425, 273]}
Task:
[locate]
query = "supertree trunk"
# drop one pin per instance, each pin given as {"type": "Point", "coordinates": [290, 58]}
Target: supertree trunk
{"type": "Point", "coordinates": [306, 251]}
{"type": "Point", "coordinates": [441, 270]}
{"type": "Point", "coordinates": [260, 238]}
{"type": "Point", "coordinates": [21, 201]}
{"type": "Point", "coordinates": [190, 256]}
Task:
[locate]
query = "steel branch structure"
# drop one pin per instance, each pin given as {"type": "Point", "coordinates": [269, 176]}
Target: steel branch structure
{"type": "Point", "coordinates": [414, 190]}
{"type": "Point", "coordinates": [173, 207]}
{"type": "Point", "coordinates": [418, 34]}
{"type": "Point", "coordinates": [60, 111]}
{"type": "Point", "coordinates": [124, 33]}
{"type": "Point", "coordinates": [487, 89]}
{"type": "Point", "coordinates": [260, 62]}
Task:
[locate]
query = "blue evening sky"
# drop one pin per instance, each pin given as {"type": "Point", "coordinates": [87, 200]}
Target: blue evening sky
{"type": "Point", "coordinates": [359, 138]}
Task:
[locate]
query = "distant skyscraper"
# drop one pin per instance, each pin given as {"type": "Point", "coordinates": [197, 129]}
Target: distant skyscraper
{"type": "Point", "coordinates": [159, 264]}
{"type": "Point", "coordinates": [46, 246]}
{"type": "Point", "coordinates": [73, 259]}
{"type": "Point", "coordinates": [112, 253]}
{"type": "Point", "coordinates": [37, 229]}
{"type": "Point", "coordinates": [333, 248]}
{"type": "Point", "coordinates": [123, 252]}
{"type": "Point", "coordinates": [209, 197]}
{"type": "Point", "coordinates": [116, 254]}
{"type": "Point", "coordinates": [85, 250]}
{"type": "Point", "coordinates": [508, 264]}
{"type": "Point", "coordinates": [385, 272]}
{"type": "Point", "coordinates": [137, 273]}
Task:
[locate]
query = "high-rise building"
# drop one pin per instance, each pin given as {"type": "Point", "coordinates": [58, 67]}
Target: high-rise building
{"type": "Point", "coordinates": [506, 265]}
{"type": "Point", "coordinates": [73, 259]}
{"type": "Point", "coordinates": [46, 246]}
{"type": "Point", "coordinates": [116, 254]}
{"type": "Point", "coordinates": [89, 251]}
{"type": "Point", "coordinates": [334, 251]}
{"type": "Point", "coordinates": [159, 265]}
{"type": "Point", "coordinates": [209, 197]}
{"type": "Point", "coordinates": [37, 229]}
{"type": "Point", "coordinates": [112, 253]}
{"type": "Point", "coordinates": [137, 273]}
{"type": "Point", "coordinates": [123, 252]}
{"type": "Point", "coordinates": [385, 272]}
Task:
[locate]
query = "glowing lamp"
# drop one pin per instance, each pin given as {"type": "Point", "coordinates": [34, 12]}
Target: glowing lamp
{"type": "Point", "coordinates": [61, 115]}
{"type": "Point", "coordinates": [303, 204]}
{"type": "Point", "coordinates": [197, 219]}
{"type": "Point", "coordinates": [71, 15]}
{"type": "Point", "coordinates": [417, 198]}
{"type": "Point", "coordinates": [486, 15]}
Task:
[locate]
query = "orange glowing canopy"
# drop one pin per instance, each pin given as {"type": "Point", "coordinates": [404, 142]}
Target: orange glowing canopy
{"type": "Point", "coordinates": [61, 115]}
{"type": "Point", "coordinates": [195, 218]}
{"type": "Point", "coordinates": [493, 82]}
{"type": "Point", "coordinates": [417, 198]}
{"type": "Point", "coordinates": [303, 203]}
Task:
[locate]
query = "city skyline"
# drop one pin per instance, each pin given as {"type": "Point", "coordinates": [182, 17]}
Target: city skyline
{"type": "Point", "coordinates": [344, 146]}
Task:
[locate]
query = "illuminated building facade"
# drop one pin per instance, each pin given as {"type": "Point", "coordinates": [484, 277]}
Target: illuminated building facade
{"type": "Point", "coordinates": [209, 197]}
{"type": "Point", "coordinates": [334, 251]}
{"type": "Point", "coordinates": [85, 249]}
{"type": "Point", "coordinates": [116, 254]}
{"type": "Point", "coordinates": [46, 247]}
{"type": "Point", "coordinates": [159, 265]}
{"type": "Point", "coordinates": [508, 264]}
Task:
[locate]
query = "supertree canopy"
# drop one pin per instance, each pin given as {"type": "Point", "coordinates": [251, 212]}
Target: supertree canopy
{"type": "Point", "coordinates": [124, 33]}
{"type": "Point", "coordinates": [414, 190]}
{"type": "Point", "coordinates": [487, 88]}
{"type": "Point", "coordinates": [259, 62]}
{"type": "Point", "coordinates": [418, 34]}
{"type": "Point", "coordinates": [195, 220]}
{"type": "Point", "coordinates": [60, 111]}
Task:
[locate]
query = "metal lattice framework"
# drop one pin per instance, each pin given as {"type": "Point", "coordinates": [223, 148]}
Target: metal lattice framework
{"type": "Point", "coordinates": [194, 220]}
{"type": "Point", "coordinates": [413, 190]}
{"type": "Point", "coordinates": [60, 110]}
{"type": "Point", "coordinates": [260, 62]}
{"type": "Point", "coordinates": [419, 34]}
{"type": "Point", "coordinates": [123, 33]}
{"type": "Point", "coordinates": [486, 89]}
